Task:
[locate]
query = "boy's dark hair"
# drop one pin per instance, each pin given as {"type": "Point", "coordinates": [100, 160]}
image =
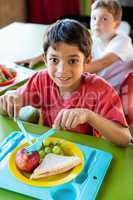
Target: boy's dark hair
{"type": "Point", "coordinates": [71, 32]}
{"type": "Point", "coordinates": [112, 6]}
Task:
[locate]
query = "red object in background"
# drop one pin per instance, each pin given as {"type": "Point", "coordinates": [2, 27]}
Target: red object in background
{"type": "Point", "coordinates": [126, 95]}
{"type": "Point", "coordinates": [48, 11]}
{"type": "Point", "coordinates": [8, 82]}
{"type": "Point", "coordinates": [7, 73]}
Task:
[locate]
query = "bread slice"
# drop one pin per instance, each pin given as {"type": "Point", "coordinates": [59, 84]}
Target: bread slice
{"type": "Point", "coordinates": [54, 164]}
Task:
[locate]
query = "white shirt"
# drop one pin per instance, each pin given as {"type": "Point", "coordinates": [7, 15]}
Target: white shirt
{"type": "Point", "coordinates": [122, 46]}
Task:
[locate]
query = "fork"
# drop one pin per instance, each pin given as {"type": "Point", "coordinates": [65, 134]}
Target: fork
{"type": "Point", "coordinates": [37, 145]}
{"type": "Point", "coordinates": [21, 126]}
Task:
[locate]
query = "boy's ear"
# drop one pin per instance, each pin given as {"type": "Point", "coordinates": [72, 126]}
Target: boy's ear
{"type": "Point", "coordinates": [87, 62]}
{"type": "Point", "coordinates": [117, 23]}
{"type": "Point", "coordinates": [44, 58]}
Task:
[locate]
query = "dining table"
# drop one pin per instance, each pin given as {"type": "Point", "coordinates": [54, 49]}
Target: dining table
{"type": "Point", "coordinates": [24, 40]}
{"type": "Point", "coordinates": [20, 41]}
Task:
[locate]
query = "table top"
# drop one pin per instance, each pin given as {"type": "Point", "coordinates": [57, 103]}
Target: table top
{"type": "Point", "coordinates": [118, 181]}
{"type": "Point", "coordinates": [21, 40]}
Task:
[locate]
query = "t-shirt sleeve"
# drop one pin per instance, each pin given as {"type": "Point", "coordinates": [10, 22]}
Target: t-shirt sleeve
{"type": "Point", "coordinates": [121, 46]}
{"type": "Point", "coordinates": [29, 92]}
{"type": "Point", "coordinates": [110, 107]}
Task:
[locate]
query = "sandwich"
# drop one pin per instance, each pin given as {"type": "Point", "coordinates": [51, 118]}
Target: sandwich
{"type": "Point", "coordinates": [53, 164]}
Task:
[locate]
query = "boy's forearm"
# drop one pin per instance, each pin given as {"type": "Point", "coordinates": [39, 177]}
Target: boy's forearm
{"type": "Point", "coordinates": [101, 63]}
{"type": "Point", "coordinates": [112, 131]}
{"type": "Point", "coordinates": [31, 62]}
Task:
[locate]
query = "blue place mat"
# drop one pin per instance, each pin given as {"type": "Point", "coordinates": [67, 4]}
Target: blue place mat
{"type": "Point", "coordinates": [71, 190]}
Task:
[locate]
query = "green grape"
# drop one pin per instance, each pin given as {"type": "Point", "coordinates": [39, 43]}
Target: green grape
{"type": "Point", "coordinates": [56, 149]}
{"type": "Point", "coordinates": [46, 143]}
{"type": "Point", "coordinates": [61, 141]}
{"type": "Point", "coordinates": [41, 153]}
{"type": "Point", "coordinates": [47, 150]}
{"type": "Point", "coordinates": [56, 143]}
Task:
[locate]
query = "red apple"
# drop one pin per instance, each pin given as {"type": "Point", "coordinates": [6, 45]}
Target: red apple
{"type": "Point", "coordinates": [27, 161]}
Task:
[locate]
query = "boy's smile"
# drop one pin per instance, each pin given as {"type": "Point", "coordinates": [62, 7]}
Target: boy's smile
{"type": "Point", "coordinates": [65, 63]}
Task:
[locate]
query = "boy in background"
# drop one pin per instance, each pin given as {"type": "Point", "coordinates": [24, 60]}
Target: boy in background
{"type": "Point", "coordinates": [112, 52]}
{"type": "Point", "coordinates": [110, 49]}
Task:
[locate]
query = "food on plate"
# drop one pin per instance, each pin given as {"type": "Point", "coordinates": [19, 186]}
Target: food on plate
{"type": "Point", "coordinates": [51, 159]}
{"type": "Point", "coordinates": [53, 164]}
{"type": "Point", "coordinates": [69, 150]}
{"type": "Point", "coordinates": [56, 149]}
{"type": "Point", "coordinates": [27, 161]}
{"type": "Point", "coordinates": [7, 75]}
{"type": "Point", "coordinates": [51, 147]}
{"type": "Point", "coordinates": [29, 114]}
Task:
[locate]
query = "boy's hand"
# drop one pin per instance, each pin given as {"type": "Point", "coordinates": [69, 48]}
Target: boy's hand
{"type": "Point", "coordinates": [10, 103]}
{"type": "Point", "coordinates": [31, 62]}
{"type": "Point", "coordinates": [70, 118]}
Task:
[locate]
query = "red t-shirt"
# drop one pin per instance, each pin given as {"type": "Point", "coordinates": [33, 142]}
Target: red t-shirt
{"type": "Point", "coordinates": [94, 94]}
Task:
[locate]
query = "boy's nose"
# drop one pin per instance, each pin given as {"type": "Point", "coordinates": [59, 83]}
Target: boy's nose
{"type": "Point", "coordinates": [62, 68]}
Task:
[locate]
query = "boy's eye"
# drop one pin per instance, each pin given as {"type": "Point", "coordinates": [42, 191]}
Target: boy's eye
{"type": "Point", "coordinates": [73, 61]}
{"type": "Point", "coordinates": [104, 19]}
{"type": "Point", "coordinates": [54, 60]}
{"type": "Point", "coordinates": [93, 18]}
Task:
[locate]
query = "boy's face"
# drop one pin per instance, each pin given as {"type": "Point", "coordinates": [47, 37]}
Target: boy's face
{"type": "Point", "coordinates": [65, 65]}
{"type": "Point", "coordinates": [103, 24]}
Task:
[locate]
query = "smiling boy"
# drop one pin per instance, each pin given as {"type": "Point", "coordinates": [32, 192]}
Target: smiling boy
{"type": "Point", "coordinates": [68, 97]}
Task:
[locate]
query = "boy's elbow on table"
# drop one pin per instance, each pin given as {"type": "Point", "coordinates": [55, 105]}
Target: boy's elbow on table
{"type": "Point", "coordinates": [125, 137]}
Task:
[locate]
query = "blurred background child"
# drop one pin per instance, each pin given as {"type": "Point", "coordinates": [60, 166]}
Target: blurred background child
{"type": "Point", "coordinates": [110, 48]}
